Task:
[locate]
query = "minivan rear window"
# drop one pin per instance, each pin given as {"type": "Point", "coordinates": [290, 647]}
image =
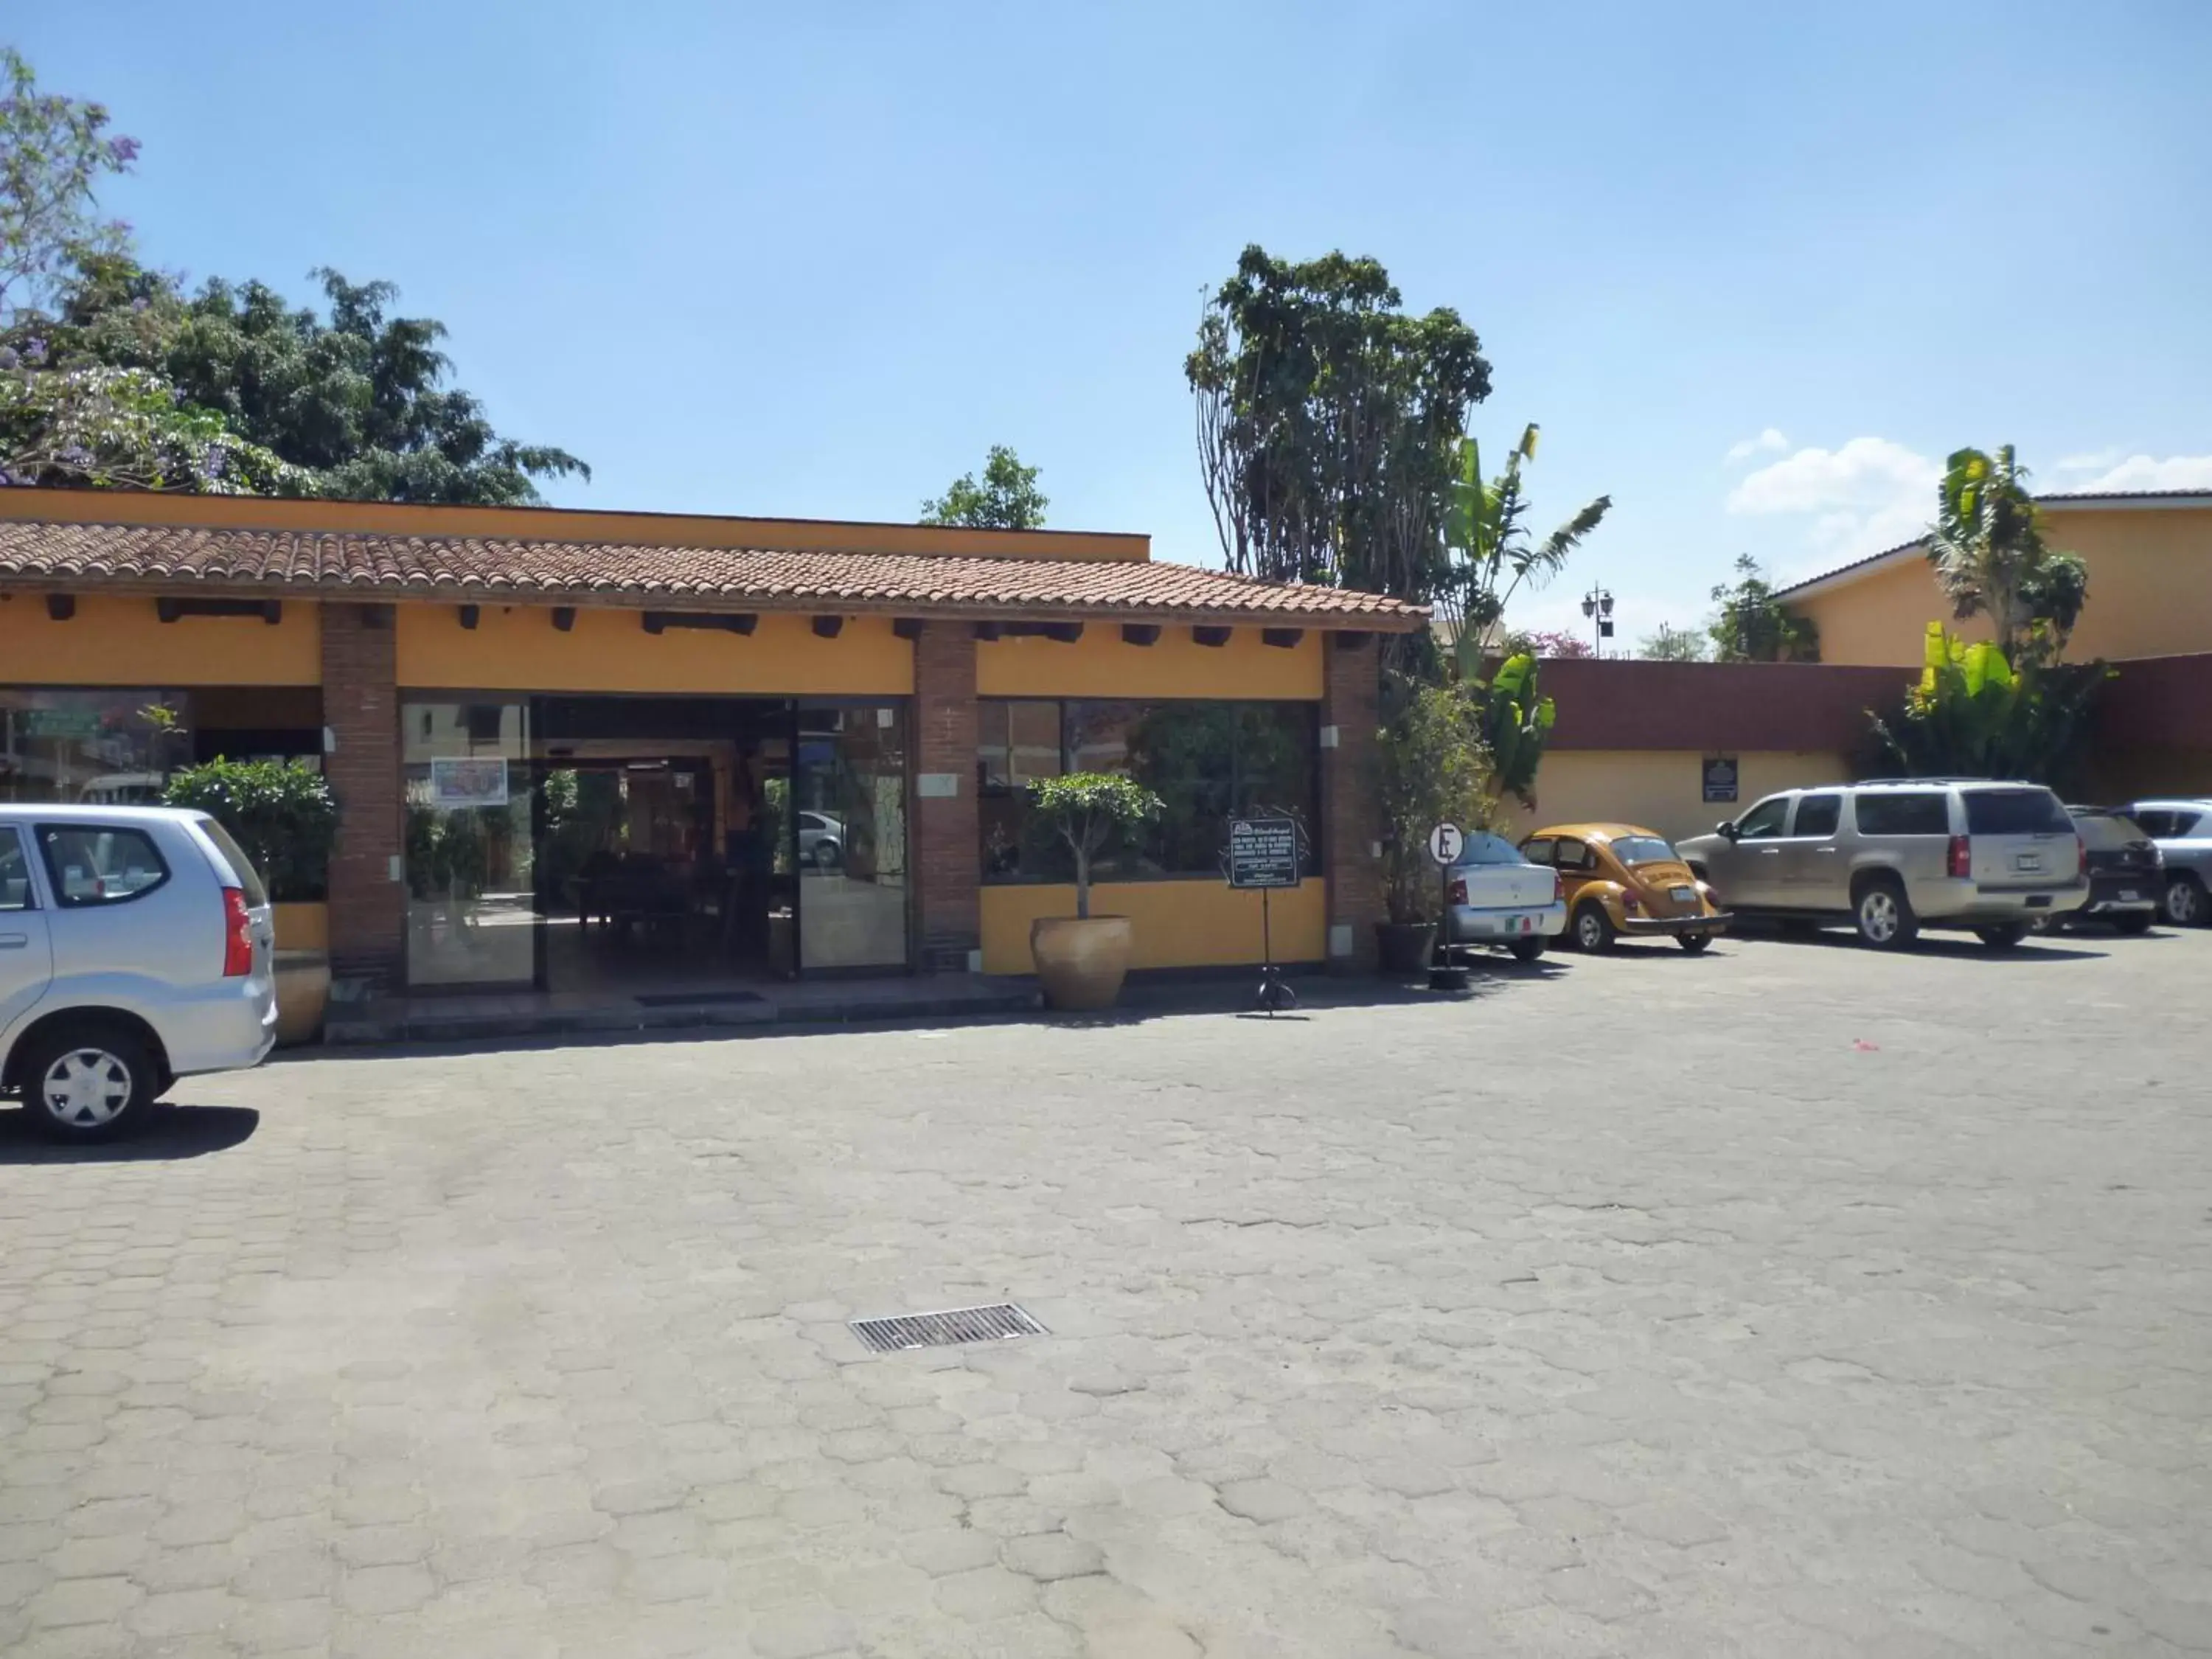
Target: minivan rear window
{"type": "Point", "coordinates": [1920, 812]}
{"type": "Point", "coordinates": [249, 879]}
{"type": "Point", "coordinates": [2015, 812]}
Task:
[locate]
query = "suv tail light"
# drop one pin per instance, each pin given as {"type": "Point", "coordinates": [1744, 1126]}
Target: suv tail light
{"type": "Point", "coordinates": [1458, 891]}
{"type": "Point", "coordinates": [237, 935]}
{"type": "Point", "coordinates": [1961, 861]}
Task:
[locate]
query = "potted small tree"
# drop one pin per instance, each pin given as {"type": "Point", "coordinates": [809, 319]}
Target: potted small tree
{"type": "Point", "coordinates": [281, 813]}
{"type": "Point", "coordinates": [1082, 959]}
{"type": "Point", "coordinates": [1432, 767]}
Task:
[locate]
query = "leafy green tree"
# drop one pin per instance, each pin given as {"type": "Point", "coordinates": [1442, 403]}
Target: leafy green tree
{"type": "Point", "coordinates": [1991, 558]}
{"type": "Point", "coordinates": [357, 402]}
{"type": "Point", "coordinates": [1007, 499]}
{"type": "Point", "coordinates": [1492, 553]}
{"type": "Point", "coordinates": [1432, 766]}
{"type": "Point", "coordinates": [1329, 424]}
{"type": "Point", "coordinates": [1672, 644]}
{"type": "Point", "coordinates": [280, 812]}
{"type": "Point", "coordinates": [1092, 812]}
{"type": "Point", "coordinates": [1753, 626]}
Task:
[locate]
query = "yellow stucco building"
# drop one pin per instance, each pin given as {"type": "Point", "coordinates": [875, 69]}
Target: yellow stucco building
{"type": "Point", "coordinates": [2149, 559]}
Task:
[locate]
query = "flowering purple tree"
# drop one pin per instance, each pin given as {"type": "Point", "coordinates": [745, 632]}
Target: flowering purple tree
{"type": "Point", "coordinates": [54, 151]}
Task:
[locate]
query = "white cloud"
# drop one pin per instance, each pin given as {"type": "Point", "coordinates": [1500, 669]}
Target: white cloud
{"type": "Point", "coordinates": [2143, 472]}
{"type": "Point", "coordinates": [1869, 495]}
{"type": "Point", "coordinates": [1769, 442]}
{"type": "Point", "coordinates": [2094, 462]}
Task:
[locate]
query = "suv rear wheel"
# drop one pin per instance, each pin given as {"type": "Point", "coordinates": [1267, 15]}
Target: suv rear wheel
{"type": "Point", "coordinates": [88, 1082]}
{"type": "Point", "coordinates": [1883, 915]}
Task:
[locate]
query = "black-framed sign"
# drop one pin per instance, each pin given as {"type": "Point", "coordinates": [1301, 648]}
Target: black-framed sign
{"type": "Point", "coordinates": [1720, 778]}
{"type": "Point", "coordinates": [1263, 852]}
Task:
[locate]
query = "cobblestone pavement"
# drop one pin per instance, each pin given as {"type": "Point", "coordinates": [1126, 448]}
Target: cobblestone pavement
{"type": "Point", "coordinates": [1788, 1301]}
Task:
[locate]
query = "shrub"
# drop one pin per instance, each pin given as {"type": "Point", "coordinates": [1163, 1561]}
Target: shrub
{"type": "Point", "coordinates": [1433, 767]}
{"type": "Point", "coordinates": [1092, 813]}
{"type": "Point", "coordinates": [280, 812]}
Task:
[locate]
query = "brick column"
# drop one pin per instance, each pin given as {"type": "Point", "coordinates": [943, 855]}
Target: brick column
{"type": "Point", "coordinates": [361, 707]}
{"type": "Point", "coordinates": [947, 855]}
{"type": "Point", "coordinates": [1350, 815]}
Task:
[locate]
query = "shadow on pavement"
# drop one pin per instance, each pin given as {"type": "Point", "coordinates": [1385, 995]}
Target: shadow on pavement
{"type": "Point", "coordinates": [2036, 947]}
{"type": "Point", "coordinates": [169, 1132]}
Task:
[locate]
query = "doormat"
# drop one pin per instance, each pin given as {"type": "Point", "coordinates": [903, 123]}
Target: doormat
{"type": "Point", "coordinates": [689, 999]}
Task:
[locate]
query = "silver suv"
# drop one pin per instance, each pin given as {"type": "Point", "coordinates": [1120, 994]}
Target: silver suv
{"type": "Point", "coordinates": [135, 948]}
{"type": "Point", "coordinates": [2182, 831]}
{"type": "Point", "coordinates": [1896, 855]}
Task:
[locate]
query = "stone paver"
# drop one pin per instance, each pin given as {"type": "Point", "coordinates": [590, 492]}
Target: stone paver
{"type": "Point", "coordinates": [1785, 1300]}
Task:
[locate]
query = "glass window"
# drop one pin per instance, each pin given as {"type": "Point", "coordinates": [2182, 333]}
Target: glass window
{"type": "Point", "coordinates": [2184, 823]}
{"type": "Point", "coordinates": [2015, 812]}
{"type": "Point", "coordinates": [1818, 815]}
{"type": "Point", "coordinates": [1915, 813]}
{"type": "Point", "coordinates": [848, 789]}
{"type": "Point", "coordinates": [470, 859]}
{"type": "Point", "coordinates": [1539, 849]}
{"type": "Point", "coordinates": [93, 864]}
{"type": "Point", "coordinates": [1643, 849]}
{"type": "Point", "coordinates": [1490, 849]}
{"type": "Point", "coordinates": [111, 748]}
{"type": "Point", "coordinates": [1765, 819]}
{"type": "Point", "coordinates": [1572, 854]}
{"type": "Point", "coordinates": [2159, 826]}
{"type": "Point", "coordinates": [1206, 761]}
{"type": "Point", "coordinates": [249, 879]}
{"type": "Point", "coordinates": [15, 874]}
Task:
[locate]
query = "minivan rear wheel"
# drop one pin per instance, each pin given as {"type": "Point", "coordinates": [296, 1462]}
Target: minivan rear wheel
{"type": "Point", "coordinates": [86, 1083]}
{"type": "Point", "coordinates": [1884, 915]}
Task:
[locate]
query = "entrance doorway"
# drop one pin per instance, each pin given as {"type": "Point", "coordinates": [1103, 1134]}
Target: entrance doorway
{"type": "Point", "coordinates": [650, 845]}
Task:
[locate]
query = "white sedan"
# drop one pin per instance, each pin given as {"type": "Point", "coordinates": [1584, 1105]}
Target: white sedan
{"type": "Point", "coordinates": [1498, 897]}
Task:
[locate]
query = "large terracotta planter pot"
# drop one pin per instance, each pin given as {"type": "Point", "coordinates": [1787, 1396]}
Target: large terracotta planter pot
{"type": "Point", "coordinates": [303, 992]}
{"type": "Point", "coordinates": [1404, 947]}
{"type": "Point", "coordinates": [1082, 962]}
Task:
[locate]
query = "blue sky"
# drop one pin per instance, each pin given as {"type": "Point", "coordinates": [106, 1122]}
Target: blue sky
{"type": "Point", "coordinates": [813, 260]}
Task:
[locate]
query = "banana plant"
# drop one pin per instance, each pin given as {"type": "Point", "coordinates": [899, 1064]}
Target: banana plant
{"type": "Point", "coordinates": [1492, 554]}
{"type": "Point", "coordinates": [1516, 719]}
{"type": "Point", "coordinates": [1972, 714]}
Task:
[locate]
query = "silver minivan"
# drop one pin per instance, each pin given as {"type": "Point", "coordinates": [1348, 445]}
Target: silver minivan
{"type": "Point", "coordinates": [136, 946]}
{"type": "Point", "coordinates": [1897, 856]}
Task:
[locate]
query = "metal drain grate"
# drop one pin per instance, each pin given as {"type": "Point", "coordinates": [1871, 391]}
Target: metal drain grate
{"type": "Point", "coordinates": [1001, 1321]}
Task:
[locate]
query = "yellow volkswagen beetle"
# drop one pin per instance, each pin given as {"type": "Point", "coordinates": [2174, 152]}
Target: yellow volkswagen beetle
{"type": "Point", "coordinates": [1620, 879]}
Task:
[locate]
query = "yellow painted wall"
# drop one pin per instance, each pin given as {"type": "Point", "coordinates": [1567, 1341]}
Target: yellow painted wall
{"type": "Point", "coordinates": [117, 640]}
{"type": "Point", "coordinates": [1101, 665]}
{"type": "Point", "coordinates": [518, 648]}
{"type": "Point", "coordinates": [1178, 924]}
{"type": "Point", "coordinates": [2150, 592]}
{"type": "Point", "coordinates": [1659, 789]}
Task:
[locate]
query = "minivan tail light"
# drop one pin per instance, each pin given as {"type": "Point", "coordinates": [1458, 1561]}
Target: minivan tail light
{"type": "Point", "coordinates": [1458, 891]}
{"type": "Point", "coordinates": [1962, 856]}
{"type": "Point", "coordinates": [237, 935]}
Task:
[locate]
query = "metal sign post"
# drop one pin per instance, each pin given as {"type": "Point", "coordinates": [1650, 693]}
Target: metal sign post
{"type": "Point", "coordinates": [1446, 844]}
{"type": "Point", "coordinates": [1263, 852]}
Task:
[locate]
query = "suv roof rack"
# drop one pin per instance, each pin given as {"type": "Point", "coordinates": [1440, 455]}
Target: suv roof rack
{"type": "Point", "coordinates": [1928, 778]}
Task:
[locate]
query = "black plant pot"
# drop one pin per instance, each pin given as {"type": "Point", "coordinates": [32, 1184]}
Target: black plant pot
{"type": "Point", "coordinates": [1403, 947]}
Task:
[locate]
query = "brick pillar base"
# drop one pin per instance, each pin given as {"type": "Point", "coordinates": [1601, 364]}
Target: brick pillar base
{"type": "Point", "coordinates": [947, 852]}
{"type": "Point", "coordinates": [361, 707]}
{"type": "Point", "coordinates": [1352, 820]}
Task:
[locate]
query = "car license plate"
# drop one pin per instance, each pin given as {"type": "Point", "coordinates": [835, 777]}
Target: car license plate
{"type": "Point", "coordinates": [1683, 895]}
{"type": "Point", "coordinates": [2027, 860]}
{"type": "Point", "coordinates": [2128, 896]}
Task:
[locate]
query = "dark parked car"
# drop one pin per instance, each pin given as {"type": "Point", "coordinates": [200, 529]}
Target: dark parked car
{"type": "Point", "coordinates": [2126, 875]}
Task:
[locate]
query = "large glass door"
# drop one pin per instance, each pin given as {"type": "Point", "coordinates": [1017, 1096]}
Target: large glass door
{"type": "Point", "coordinates": [470, 848]}
{"type": "Point", "coordinates": [847, 835]}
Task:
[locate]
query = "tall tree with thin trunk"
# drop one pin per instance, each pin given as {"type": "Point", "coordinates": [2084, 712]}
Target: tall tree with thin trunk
{"type": "Point", "coordinates": [1991, 558]}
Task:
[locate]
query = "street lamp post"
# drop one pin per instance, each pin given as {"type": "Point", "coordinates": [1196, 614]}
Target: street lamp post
{"type": "Point", "coordinates": [1598, 603]}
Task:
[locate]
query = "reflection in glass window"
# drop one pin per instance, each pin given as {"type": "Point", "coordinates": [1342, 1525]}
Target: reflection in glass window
{"type": "Point", "coordinates": [471, 911]}
{"type": "Point", "coordinates": [1205, 760]}
{"type": "Point", "coordinates": [107, 748]}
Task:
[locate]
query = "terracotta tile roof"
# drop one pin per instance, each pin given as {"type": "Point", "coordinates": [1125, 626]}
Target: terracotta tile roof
{"type": "Point", "coordinates": [464, 568]}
